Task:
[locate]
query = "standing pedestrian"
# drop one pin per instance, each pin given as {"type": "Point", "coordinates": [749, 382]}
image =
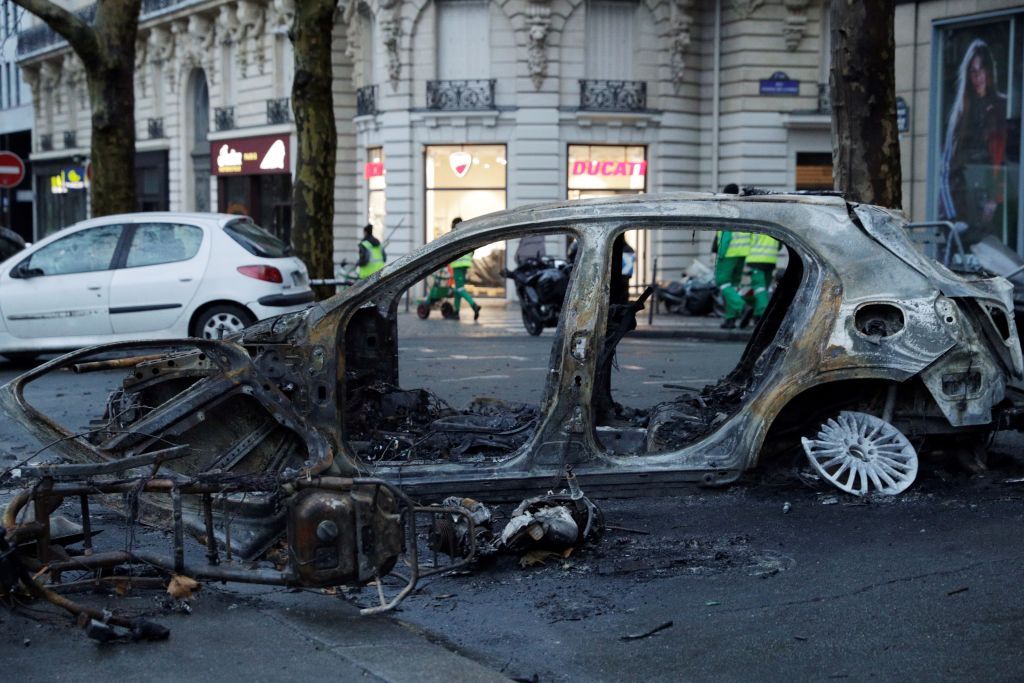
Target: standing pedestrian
{"type": "Point", "coordinates": [733, 248]}
{"type": "Point", "coordinates": [762, 257]}
{"type": "Point", "coordinates": [371, 254]}
{"type": "Point", "coordinates": [460, 267]}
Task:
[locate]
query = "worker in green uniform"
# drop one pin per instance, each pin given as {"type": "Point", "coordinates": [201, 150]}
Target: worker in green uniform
{"type": "Point", "coordinates": [762, 257]}
{"type": "Point", "coordinates": [371, 253]}
{"type": "Point", "coordinates": [460, 267]}
{"type": "Point", "coordinates": [732, 252]}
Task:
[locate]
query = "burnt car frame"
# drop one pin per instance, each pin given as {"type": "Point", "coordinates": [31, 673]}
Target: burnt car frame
{"type": "Point", "coordinates": [860, 322]}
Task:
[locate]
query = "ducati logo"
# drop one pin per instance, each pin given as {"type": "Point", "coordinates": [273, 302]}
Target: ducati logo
{"type": "Point", "coordinates": [460, 162]}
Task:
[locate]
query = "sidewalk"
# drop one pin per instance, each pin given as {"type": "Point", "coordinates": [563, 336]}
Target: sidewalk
{"type": "Point", "coordinates": [500, 319]}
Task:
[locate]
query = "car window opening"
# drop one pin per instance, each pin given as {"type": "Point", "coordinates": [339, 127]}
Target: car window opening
{"type": "Point", "coordinates": [483, 403]}
{"type": "Point", "coordinates": [638, 412]}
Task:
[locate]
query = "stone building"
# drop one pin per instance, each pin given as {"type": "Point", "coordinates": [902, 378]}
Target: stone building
{"type": "Point", "coordinates": [452, 108]}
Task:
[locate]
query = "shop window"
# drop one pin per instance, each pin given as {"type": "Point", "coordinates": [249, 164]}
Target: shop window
{"type": "Point", "coordinates": [609, 42]}
{"type": "Point", "coordinates": [814, 171]}
{"type": "Point", "coordinates": [606, 170]}
{"type": "Point", "coordinates": [977, 181]}
{"type": "Point", "coordinates": [466, 181]}
{"type": "Point", "coordinates": [374, 172]}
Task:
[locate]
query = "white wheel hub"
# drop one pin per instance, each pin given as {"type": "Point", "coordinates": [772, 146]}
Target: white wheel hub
{"type": "Point", "coordinates": [861, 454]}
{"type": "Point", "coordinates": [221, 325]}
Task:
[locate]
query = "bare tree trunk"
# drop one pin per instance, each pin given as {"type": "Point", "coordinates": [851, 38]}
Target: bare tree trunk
{"type": "Point", "coordinates": [313, 105]}
{"type": "Point", "coordinates": [107, 50]}
{"type": "Point", "coordinates": [865, 140]}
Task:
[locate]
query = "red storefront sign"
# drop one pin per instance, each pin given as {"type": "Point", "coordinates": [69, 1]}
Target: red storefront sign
{"type": "Point", "coordinates": [373, 169]}
{"type": "Point", "coordinates": [259, 155]}
{"type": "Point", "coordinates": [609, 168]}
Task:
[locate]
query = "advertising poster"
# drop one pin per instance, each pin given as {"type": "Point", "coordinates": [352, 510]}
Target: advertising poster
{"type": "Point", "coordinates": [979, 134]}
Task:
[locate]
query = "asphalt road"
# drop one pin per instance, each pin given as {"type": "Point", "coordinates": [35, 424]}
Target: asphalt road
{"type": "Point", "coordinates": [927, 585]}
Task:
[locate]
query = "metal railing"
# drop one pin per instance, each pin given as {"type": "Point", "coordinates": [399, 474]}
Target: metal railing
{"type": "Point", "coordinates": [279, 110]}
{"type": "Point", "coordinates": [366, 100]}
{"type": "Point", "coordinates": [605, 95]}
{"type": "Point", "coordinates": [46, 142]}
{"type": "Point", "coordinates": [70, 139]}
{"type": "Point", "coordinates": [461, 95]}
{"type": "Point", "coordinates": [224, 118]}
{"type": "Point", "coordinates": [155, 128]}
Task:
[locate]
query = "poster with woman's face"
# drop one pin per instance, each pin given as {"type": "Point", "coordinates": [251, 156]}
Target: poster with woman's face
{"type": "Point", "coordinates": [977, 176]}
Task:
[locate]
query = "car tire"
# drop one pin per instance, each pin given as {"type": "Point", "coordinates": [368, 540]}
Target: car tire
{"type": "Point", "coordinates": [423, 311]}
{"type": "Point", "coordinates": [221, 321]}
{"type": "Point", "coordinates": [21, 358]}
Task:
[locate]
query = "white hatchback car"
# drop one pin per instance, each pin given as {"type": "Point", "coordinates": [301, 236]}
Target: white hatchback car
{"type": "Point", "coordinates": [145, 276]}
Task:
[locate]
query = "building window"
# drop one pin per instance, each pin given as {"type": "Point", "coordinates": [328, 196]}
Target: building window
{"type": "Point", "coordinates": [464, 42]}
{"type": "Point", "coordinates": [609, 39]}
{"type": "Point", "coordinates": [977, 182]}
{"type": "Point", "coordinates": [606, 170]}
{"type": "Point", "coordinates": [466, 181]}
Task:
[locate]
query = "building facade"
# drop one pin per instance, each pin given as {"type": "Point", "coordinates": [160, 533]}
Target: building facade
{"type": "Point", "coordinates": [15, 123]}
{"type": "Point", "coordinates": [456, 108]}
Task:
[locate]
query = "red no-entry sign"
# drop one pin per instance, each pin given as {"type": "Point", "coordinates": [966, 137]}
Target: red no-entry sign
{"type": "Point", "coordinates": [12, 169]}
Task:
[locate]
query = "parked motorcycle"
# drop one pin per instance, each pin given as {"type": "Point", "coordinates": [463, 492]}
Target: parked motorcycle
{"type": "Point", "coordinates": [693, 296]}
{"type": "Point", "coordinates": [541, 283]}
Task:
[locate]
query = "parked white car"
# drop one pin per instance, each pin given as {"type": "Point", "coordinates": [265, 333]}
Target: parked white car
{"type": "Point", "coordinates": [145, 276]}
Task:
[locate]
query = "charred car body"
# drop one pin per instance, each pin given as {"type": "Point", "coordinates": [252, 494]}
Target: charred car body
{"type": "Point", "coordinates": [863, 335]}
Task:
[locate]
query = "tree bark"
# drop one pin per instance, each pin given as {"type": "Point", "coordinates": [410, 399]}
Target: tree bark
{"type": "Point", "coordinates": [107, 50]}
{"type": "Point", "coordinates": [865, 139]}
{"type": "Point", "coordinates": [315, 128]}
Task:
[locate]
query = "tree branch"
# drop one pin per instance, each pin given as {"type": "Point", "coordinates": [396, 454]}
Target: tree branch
{"type": "Point", "coordinates": [80, 35]}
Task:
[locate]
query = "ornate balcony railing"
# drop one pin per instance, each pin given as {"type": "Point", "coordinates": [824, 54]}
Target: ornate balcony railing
{"type": "Point", "coordinates": [602, 95]}
{"type": "Point", "coordinates": [366, 100]}
{"type": "Point", "coordinates": [223, 118]}
{"type": "Point", "coordinates": [824, 99]}
{"type": "Point", "coordinates": [70, 139]}
{"type": "Point", "coordinates": [45, 142]}
{"type": "Point", "coordinates": [461, 95]}
{"type": "Point", "coordinates": [40, 37]}
{"type": "Point", "coordinates": [155, 127]}
{"type": "Point", "coordinates": [279, 110]}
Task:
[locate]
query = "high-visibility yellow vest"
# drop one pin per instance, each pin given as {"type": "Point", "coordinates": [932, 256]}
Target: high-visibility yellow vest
{"type": "Point", "coordinates": [763, 249]}
{"type": "Point", "coordinates": [739, 244]}
{"type": "Point", "coordinates": [376, 261]}
{"type": "Point", "coordinates": [464, 261]}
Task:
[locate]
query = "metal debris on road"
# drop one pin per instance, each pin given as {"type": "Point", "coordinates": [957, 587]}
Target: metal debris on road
{"type": "Point", "coordinates": [647, 634]}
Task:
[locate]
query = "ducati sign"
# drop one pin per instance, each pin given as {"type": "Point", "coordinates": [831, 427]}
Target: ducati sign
{"type": "Point", "coordinates": [460, 162]}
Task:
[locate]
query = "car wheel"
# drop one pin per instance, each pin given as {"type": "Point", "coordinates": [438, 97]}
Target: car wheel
{"type": "Point", "coordinates": [221, 321]}
{"type": "Point", "coordinates": [23, 358]}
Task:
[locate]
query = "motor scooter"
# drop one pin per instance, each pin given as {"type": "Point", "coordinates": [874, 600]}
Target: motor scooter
{"type": "Point", "coordinates": [541, 283]}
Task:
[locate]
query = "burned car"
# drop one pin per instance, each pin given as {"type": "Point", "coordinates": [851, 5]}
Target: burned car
{"type": "Point", "coordinates": [866, 349]}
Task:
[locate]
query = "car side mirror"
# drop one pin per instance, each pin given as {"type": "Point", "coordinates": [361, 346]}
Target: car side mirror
{"type": "Point", "coordinates": [24, 271]}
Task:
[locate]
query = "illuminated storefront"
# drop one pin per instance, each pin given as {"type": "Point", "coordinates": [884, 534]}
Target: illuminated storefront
{"type": "Point", "coordinates": [605, 170]}
{"type": "Point", "coordinates": [61, 195]}
{"type": "Point", "coordinates": [254, 179]}
{"type": "Point", "coordinates": [376, 183]}
{"type": "Point", "coordinates": [466, 181]}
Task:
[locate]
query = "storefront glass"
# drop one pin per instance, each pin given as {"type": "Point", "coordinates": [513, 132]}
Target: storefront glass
{"type": "Point", "coordinates": [605, 170]}
{"type": "Point", "coordinates": [466, 181]}
{"type": "Point", "coordinates": [254, 179]}
{"type": "Point", "coordinates": [978, 96]}
{"type": "Point", "coordinates": [374, 172]}
{"type": "Point", "coordinates": [61, 191]}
